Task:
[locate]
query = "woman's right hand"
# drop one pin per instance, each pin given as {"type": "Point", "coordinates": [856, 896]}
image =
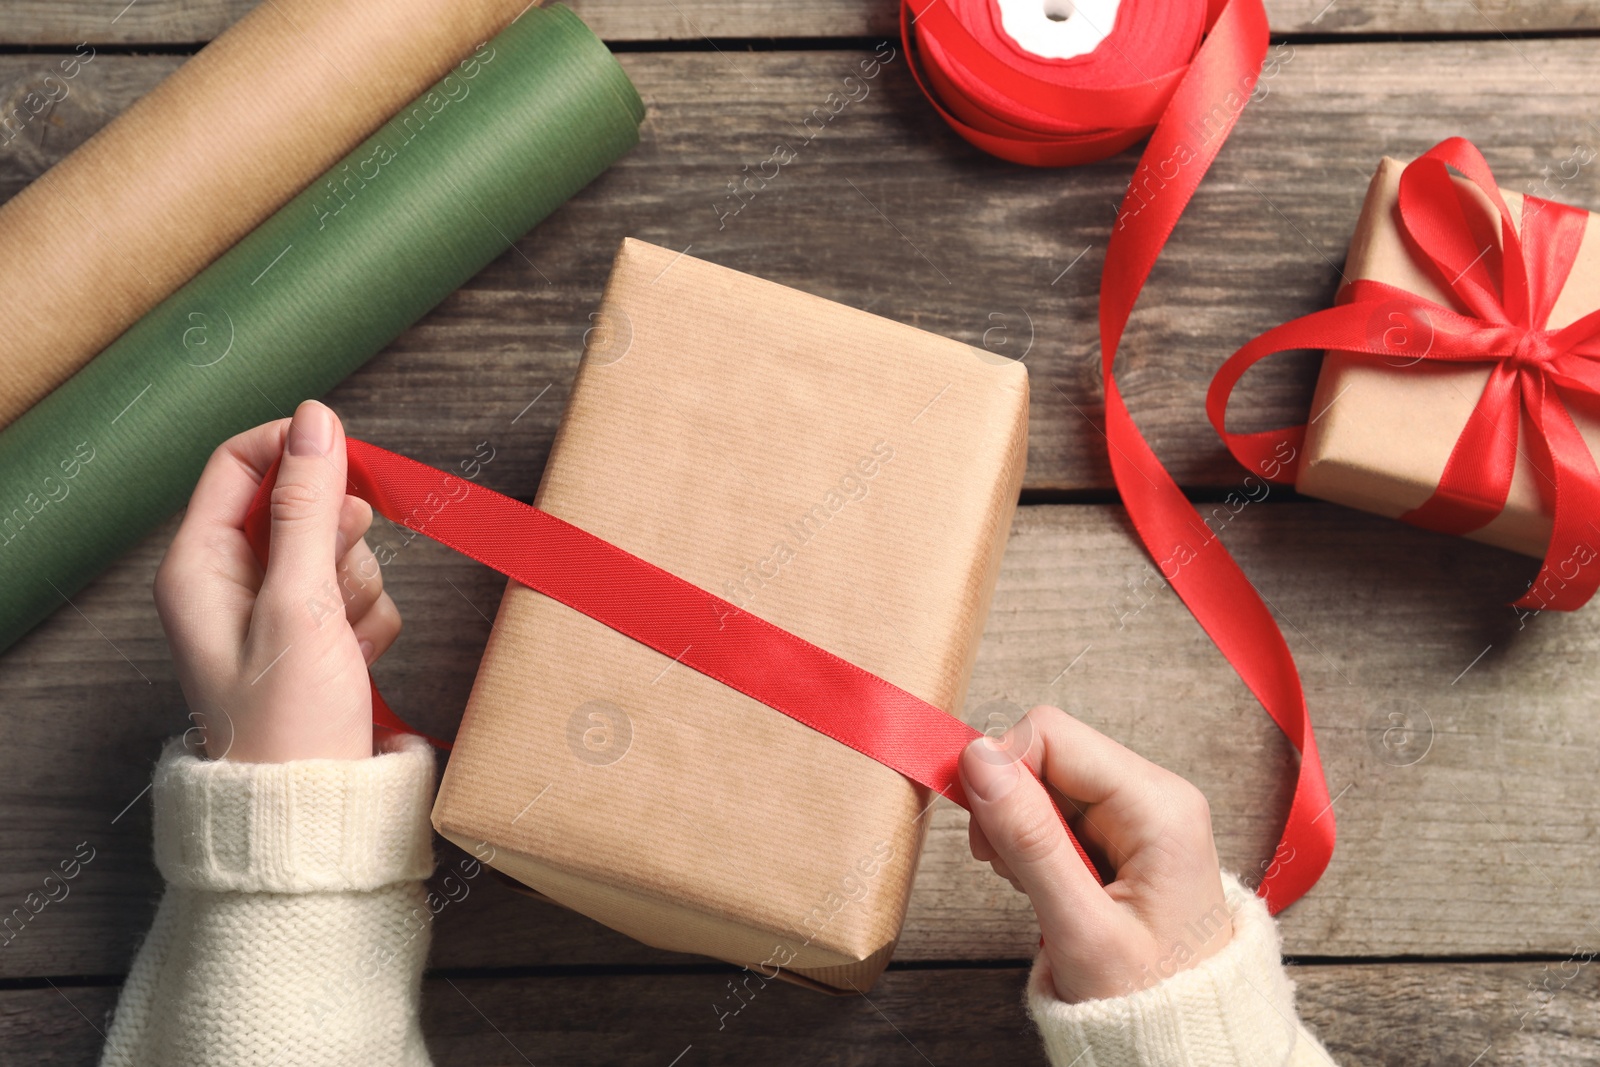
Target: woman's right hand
{"type": "Point", "coordinates": [1164, 910]}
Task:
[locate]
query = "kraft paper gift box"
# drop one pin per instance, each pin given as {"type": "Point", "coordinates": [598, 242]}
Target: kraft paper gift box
{"type": "Point", "coordinates": [845, 477]}
{"type": "Point", "coordinates": [1381, 433]}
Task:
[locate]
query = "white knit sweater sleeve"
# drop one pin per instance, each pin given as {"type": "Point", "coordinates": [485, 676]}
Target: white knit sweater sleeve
{"type": "Point", "coordinates": [294, 927]}
{"type": "Point", "coordinates": [1235, 1009]}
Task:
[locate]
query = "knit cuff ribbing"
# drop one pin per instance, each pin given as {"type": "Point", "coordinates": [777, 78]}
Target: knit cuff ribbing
{"type": "Point", "coordinates": [1234, 1009]}
{"type": "Point", "coordinates": [298, 827]}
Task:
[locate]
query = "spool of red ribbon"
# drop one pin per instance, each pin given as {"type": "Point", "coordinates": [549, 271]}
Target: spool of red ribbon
{"type": "Point", "coordinates": [1053, 112]}
{"type": "Point", "coordinates": [1179, 72]}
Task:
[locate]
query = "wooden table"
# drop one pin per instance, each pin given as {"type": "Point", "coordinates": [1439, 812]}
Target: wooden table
{"type": "Point", "coordinates": [1458, 920]}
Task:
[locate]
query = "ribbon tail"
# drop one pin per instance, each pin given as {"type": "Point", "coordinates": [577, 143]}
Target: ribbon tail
{"type": "Point", "coordinates": [1232, 612]}
{"type": "Point", "coordinates": [1569, 575]}
{"type": "Point", "coordinates": [1477, 476]}
{"type": "Point", "coordinates": [1191, 558]}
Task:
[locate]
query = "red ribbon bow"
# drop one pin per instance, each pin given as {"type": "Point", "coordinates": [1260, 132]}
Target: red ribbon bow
{"type": "Point", "coordinates": [1504, 285]}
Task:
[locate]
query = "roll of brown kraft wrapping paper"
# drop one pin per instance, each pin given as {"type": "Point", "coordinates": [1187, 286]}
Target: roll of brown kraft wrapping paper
{"type": "Point", "coordinates": [174, 181]}
{"type": "Point", "coordinates": [328, 280]}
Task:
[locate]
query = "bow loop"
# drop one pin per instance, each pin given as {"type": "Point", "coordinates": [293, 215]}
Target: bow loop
{"type": "Point", "coordinates": [1581, 338]}
{"type": "Point", "coordinates": [1465, 241]}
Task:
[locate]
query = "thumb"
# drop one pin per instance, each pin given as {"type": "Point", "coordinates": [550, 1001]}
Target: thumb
{"type": "Point", "coordinates": [1023, 825]}
{"type": "Point", "coordinates": [306, 503]}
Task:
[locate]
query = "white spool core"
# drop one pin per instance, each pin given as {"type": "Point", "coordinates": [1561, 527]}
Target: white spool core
{"type": "Point", "coordinates": [1058, 29]}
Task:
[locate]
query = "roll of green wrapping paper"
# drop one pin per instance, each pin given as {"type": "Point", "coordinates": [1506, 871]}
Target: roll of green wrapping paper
{"type": "Point", "coordinates": [305, 299]}
{"type": "Point", "coordinates": [166, 187]}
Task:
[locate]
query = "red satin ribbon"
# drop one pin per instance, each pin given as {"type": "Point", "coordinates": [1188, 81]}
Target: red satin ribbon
{"type": "Point", "coordinates": [1504, 285]}
{"type": "Point", "coordinates": [654, 607]}
{"type": "Point", "coordinates": [1181, 73]}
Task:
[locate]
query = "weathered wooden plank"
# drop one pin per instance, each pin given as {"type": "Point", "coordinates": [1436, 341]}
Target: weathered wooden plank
{"type": "Point", "coordinates": [1396, 1015]}
{"type": "Point", "coordinates": [44, 22]}
{"type": "Point", "coordinates": [617, 20]}
{"type": "Point", "coordinates": [887, 210]}
{"type": "Point", "coordinates": [1423, 1014]}
{"type": "Point", "coordinates": [1461, 749]}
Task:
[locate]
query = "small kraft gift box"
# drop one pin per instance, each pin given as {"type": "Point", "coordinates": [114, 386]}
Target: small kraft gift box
{"type": "Point", "coordinates": [847, 478]}
{"type": "Point", "coordinates": [1460, 390]}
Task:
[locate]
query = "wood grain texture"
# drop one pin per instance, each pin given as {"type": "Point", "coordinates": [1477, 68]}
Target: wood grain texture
{"type": "Point", "coordinates": [887, 210]}
{"type": "Point", "coordinates": [43, 22]}
{"type": "Point", "coordinates": [617, 20]}
{"type": "Point", "coordinates": [1461, 749]}
{"type": "Point", "coordinates": [1459, 739]}
{"type": "Point", "coordinates": [1392, 1015]}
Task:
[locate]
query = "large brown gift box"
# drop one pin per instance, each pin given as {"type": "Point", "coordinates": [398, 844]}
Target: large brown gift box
{"type": "Point", "coordinates": [847, 478]}
{"type": "Point", "coordinates": [1381, 432]}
